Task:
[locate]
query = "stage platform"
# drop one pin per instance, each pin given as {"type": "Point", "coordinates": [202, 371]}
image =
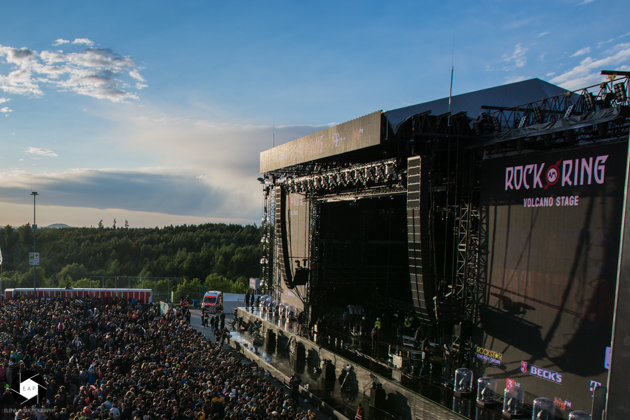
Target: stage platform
{"type": "Point", "coordinates": [322, 368]}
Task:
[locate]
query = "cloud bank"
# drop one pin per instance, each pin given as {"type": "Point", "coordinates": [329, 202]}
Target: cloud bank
{"type": "Point", "coordinates": [587, 72]}
{"type": "Point", "coordinates": [96, 72]}
{"type": "Point", "coordinates": [209, 171]}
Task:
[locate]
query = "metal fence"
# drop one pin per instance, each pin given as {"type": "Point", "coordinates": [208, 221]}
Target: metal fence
{"type": "Point", "coordinates": [163, 287]}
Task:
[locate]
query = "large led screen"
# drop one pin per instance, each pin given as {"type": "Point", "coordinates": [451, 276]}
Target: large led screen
{"type": "Point", "coordinates": [552, 230]}
{"type": "Point", "coordinates": [352, 135]}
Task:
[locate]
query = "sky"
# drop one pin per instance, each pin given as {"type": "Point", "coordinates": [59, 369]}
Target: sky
{"type": "Point", "coordinates": [155, 112]}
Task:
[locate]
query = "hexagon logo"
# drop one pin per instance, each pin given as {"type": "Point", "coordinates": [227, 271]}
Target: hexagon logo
{"type": "Point", "coordinates": [28, 388]}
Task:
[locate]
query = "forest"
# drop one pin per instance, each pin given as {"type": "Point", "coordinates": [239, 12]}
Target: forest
{"type": "Point", "coordinates": [181, 259]}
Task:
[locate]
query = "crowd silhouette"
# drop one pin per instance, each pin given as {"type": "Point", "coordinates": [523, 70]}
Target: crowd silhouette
{"type": "Point", "coordinates": [118, 359]}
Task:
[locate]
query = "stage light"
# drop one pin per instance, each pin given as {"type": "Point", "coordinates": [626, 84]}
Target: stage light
{"type": "Point", "coordinates": [589, 101]}
{"type": "Point", "coordinates": [567, 114]}
{"type": "Point", "coordinates": [620, 92]}
{"type": "Point", "coordinates": [496, 124]}
{"type": "Point", "coordinates": [538, 115]}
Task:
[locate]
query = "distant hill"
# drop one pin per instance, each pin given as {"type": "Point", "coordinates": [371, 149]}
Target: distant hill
{"type": "Point", "coordinates": [56, 226]}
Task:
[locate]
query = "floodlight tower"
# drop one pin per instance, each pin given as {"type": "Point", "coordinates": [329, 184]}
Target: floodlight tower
{"type": "Point", "coordinates": [34, 194]}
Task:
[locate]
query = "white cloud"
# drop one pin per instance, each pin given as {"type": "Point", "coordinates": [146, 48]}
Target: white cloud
{"type": "Point", "coordinates": [543, 34]}
{"type": "Point", "coordinates": [582, 51]}
{"type": "Point", "coordinates": [60, 42]}
{"type": "Point", "coordinates": [83, 41]}
{"type": "Point", "coordinates": [3, 100]}
{"type": "Point", "coordinates": [136, 75]}
{"type": "Point", "coordinates": [96, 72]}
{"type": "Point", "coordinates": [40, 152]}
{"type": "Point", "coordinates": [201, 169]}
{"type": "Point", "coordinates": [516, 59]}
{"type": "Point", "coordinates": [586, 2]}
{"type": "Point", "coordinates": [5, 110]}
{"type": "Point", "coordinates": [551, 73]}
{"type": "Point", "coordinates": [588, 71]}
{"type": "Point", "coordinates": [599, 45]}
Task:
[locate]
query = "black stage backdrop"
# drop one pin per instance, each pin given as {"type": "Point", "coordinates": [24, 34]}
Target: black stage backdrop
{"type": "Point", "coordinates": [553, 230]}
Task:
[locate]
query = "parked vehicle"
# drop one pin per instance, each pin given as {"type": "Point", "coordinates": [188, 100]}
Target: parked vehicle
{"type": "Point", "coordinates": [212, 301]}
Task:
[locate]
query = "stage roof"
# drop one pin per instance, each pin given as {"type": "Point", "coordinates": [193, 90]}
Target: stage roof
{"type": "Point", "coordinates": [366, 131]}
{"type": "Point", "coordinates": [509, 95]}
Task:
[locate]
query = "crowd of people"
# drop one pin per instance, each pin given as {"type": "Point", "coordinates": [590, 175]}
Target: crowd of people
{"type": "Point", "coordinates": [118, 359]}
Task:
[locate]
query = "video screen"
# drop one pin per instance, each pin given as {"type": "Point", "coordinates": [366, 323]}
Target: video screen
{"type": "Point", "coordinates": [553, 226]}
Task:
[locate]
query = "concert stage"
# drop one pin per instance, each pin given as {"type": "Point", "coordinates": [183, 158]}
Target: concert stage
{"type": "Point", "coordinates": [497, 221]}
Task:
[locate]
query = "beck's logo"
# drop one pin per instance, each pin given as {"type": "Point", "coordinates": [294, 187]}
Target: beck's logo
{"type": "Point", "coordinates": [524, 367]}
{"type": "Point", "coordinates": [548, 375]}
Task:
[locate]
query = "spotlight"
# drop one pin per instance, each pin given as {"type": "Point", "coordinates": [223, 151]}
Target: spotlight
{"type": "Point", "coordinates": [620, 92]}
{"type": "Point", "coordinates": [495, 124]}
{"type": "Point", "coordinates": [589, 101]}
{"type": "Point", "coordinates": [538, 115]}
{"type": "Point", "coordinates": [567, 114]}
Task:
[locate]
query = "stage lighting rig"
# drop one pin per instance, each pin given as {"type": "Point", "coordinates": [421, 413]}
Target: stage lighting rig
{"type": "Point", "coordinates": [589, 101]}
{"type": "Point", "coordinates": [620, 93]}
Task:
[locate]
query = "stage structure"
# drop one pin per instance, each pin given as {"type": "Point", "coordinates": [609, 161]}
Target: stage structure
{"type": "Point", "coordinates": [502, 218]}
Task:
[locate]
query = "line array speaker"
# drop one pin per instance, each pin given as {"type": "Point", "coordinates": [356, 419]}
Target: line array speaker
{"type": "Point", "coordinates": [419, 243]}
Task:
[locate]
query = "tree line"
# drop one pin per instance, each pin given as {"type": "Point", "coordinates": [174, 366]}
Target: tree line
{"type": "Point", "coordinates": [216, 256]}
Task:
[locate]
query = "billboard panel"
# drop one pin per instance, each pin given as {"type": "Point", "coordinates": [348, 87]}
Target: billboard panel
{"type": "Point", "coordinates": [352, 135]}
{"type": "Point", "coordinates": [553, 234]}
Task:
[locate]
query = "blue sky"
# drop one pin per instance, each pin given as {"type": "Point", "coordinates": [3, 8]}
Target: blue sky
{"type": "Point", "coordinates": [155, 112]}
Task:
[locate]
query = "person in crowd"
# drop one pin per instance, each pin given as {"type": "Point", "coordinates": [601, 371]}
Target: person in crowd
{"type": "Point", "coordinates": [141, 365]}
